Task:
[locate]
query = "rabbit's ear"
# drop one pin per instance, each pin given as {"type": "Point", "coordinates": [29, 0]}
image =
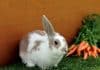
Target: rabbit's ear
{"type": "Point", "coordinates": [48, 26]}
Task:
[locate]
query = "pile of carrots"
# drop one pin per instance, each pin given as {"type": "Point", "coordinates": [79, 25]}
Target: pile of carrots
{"type": "Point", "coordinates": [85, 43]}
{"type": "Point", "coordinates": [84, 49]}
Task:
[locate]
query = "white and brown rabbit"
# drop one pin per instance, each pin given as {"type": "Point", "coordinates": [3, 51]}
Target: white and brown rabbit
{"type": "Point", "coordinates": [43, 48]}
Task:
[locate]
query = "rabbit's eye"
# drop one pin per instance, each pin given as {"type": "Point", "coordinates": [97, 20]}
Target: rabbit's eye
{"type": "Point", "coordinates": [56, 43]}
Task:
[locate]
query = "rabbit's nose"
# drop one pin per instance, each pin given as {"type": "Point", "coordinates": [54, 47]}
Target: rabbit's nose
{"type": "Point", "coordinates": [64, 49]}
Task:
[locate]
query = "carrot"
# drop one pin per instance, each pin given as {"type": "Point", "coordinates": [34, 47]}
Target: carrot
{"type": "Point", "coordinates": [81, 44]}
{"type": "Point", "coordinates": [78, 52]}
{"type": "Point", "coordinates": [95, 50]}
{"type": "Point", "coordinates": [84, 46]}
{"type": "Point", "coordinates": [85, 55]}
{"type": "Point", "coordinates": [93, 54]}
{"type": "Point", "coordinates": [98, 50]}
{"type": "Point", "coordinates": [79, 47]}
{"type": "Point", "coordinates": [72, 46]}
{"type": "Point", "coordinates": [72, 51]}
{"type": "Point", "coordinates": [88, 50]}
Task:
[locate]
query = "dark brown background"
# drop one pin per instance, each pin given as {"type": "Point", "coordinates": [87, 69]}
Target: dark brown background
{"type": "Point", "coordinates": [17, 17]}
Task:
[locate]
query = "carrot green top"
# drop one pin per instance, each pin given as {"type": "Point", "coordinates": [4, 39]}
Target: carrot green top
{"type": "Point", "coordinates": [90, 30]}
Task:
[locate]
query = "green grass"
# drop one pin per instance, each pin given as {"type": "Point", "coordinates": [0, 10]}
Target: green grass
{"type": "Point", "coordinates": [69, 63]}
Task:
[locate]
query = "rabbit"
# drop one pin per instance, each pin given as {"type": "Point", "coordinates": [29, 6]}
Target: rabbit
{"type": "Point", "coordinates": [43, 48]}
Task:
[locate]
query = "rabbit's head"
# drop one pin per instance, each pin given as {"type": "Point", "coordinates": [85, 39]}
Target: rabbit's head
{"type": "Point", "coordinates": [57, 42]}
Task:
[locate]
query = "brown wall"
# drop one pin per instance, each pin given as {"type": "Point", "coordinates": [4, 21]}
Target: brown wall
{"type": "Point", "coordinates": [17, 17]}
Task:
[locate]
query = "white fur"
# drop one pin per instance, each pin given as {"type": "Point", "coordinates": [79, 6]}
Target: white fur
{"type": "Point", "coordinates": [45, 57]}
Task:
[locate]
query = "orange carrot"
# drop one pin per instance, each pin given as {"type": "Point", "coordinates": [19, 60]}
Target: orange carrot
{"type": "Point", "coordinates": [82, 43]}
{"type": "Point", "coordinates": [93, 54]}
{"type": "Point", "coordinates": [89, 52]}
{"type": "Point", "coordinates": [98, 50]}
{"type": "Point", "coordinates": [78, 52]}
{"type": "Point", "coordinates": [79, 47]}
{"type": "Point", "coordinates": [88, 48]}
{"type": "Point", "coordinates": [72, 51]}
{"type": "Point", "coordinates": [85, 55]}
{"type": "Point", "coordinates": [84, 46]}
{"type": "Point", "coordinates": [95, 50]}
{"type": "Point", "coordinates": [72, 46]}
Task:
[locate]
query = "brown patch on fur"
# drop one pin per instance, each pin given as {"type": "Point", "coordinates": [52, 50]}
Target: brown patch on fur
{"type": "Point", "coordinates": [37, 44]}
{"type": "Point", "coordinates": [51, 43]}
{"type": "Point", "coordinates": [42, 33]}
{"type": "Point", "coordinates": [24, 44]}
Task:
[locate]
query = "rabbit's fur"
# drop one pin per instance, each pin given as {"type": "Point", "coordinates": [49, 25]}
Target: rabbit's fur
{"type": "Point", "coordinates": [43, 48]}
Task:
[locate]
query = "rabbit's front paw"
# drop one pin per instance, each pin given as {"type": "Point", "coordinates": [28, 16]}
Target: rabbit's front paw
{"type": "Point", "coordinates": [56, 65]}
{"type": "Point", "coordinates": [30, 64]}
